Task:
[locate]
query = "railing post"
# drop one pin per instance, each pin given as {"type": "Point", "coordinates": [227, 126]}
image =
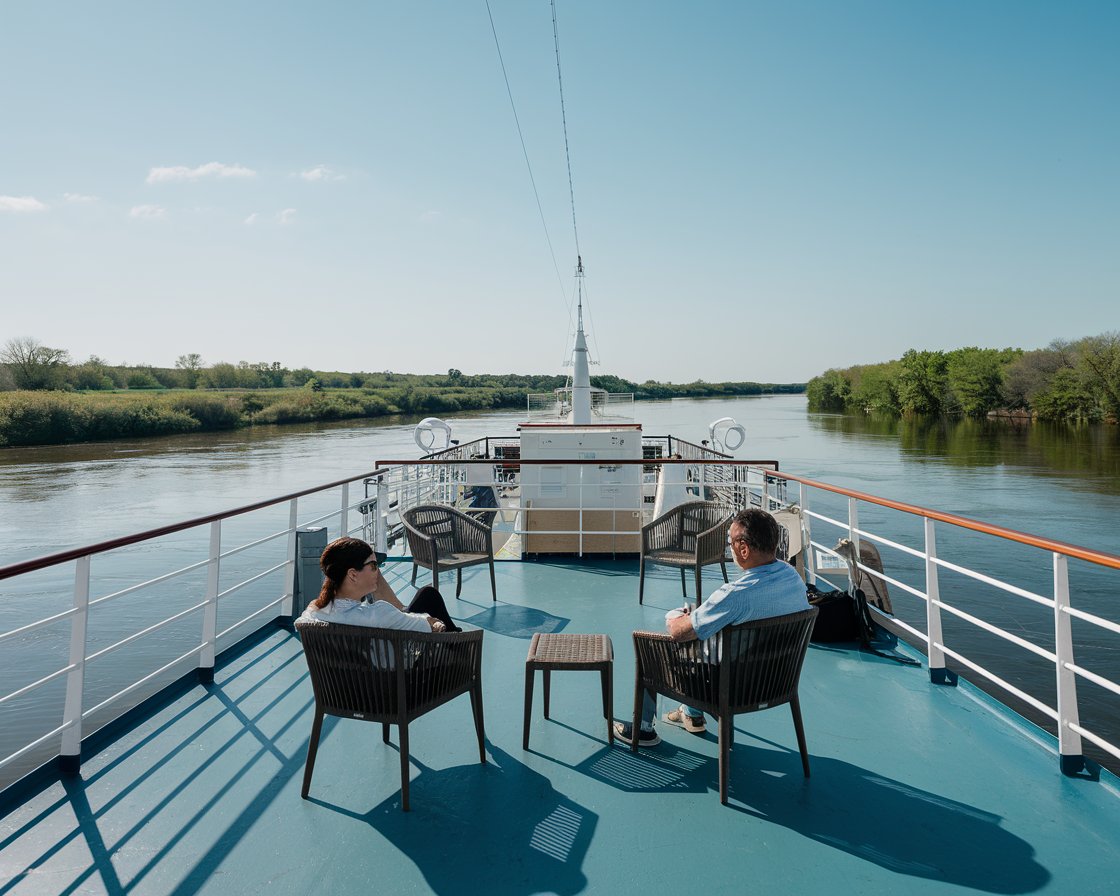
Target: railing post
{"type": "Point", "coordinates": [344, 516]}
{"type": "Point", "coordinates": [70, 754]}
{"type": "Point", "coordinates": [764, 498]}
{"type": "Point", "coordinates": [210, 609]}
{"type": "Point", "coordinates": [853, 537]}
{"type": "Point", "coordinates": [1069, 741]}
{"type": "Point", "coordinates": [290, 572]}
{"type": "Point", "coordinates": [938, 674]}
{"type": "Point", "coordinates": [381, 517]}
{"type": "Point", "coordinates": [579, 513]}
{"type": "Point", "coordinates": [807, 537]}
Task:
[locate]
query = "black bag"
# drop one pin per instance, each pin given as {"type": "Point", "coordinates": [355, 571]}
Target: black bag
{"type": "Point", "coordinates": [836, 616]}
{"type": "Point", "coordinates": [844, 617]}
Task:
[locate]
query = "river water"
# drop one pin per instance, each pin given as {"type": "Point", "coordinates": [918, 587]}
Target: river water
{"type": "Point", "coordinates": [1057, 481]}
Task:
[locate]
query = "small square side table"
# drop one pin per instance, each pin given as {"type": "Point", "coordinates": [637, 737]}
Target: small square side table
{"type": "Point", "coordinates": [562, 652]}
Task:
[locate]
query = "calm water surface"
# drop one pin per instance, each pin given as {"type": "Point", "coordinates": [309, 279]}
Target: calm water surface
{"type": "Point", "coordinates": [1061, 482]}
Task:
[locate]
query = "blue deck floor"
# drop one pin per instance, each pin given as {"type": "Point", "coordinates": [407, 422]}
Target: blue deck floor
{"type": "Point", "coordinates": [914, 788]}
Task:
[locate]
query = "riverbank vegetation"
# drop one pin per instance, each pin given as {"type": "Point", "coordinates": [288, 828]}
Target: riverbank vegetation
{"type": "Point", "coordinates": [1067, 381]}
{"type": "Point", "coordinates": [47, 400]}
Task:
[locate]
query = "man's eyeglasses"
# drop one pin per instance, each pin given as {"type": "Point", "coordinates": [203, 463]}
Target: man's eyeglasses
{"type": "Point", "coordinates": [731, 540]}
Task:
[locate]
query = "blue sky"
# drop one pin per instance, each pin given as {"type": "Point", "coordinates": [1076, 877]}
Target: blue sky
{"type": "Point", "coordinates": [763, 190]}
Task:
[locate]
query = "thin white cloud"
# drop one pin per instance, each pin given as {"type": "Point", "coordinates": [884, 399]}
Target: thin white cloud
{"type": "Point", "coordinates": [21, 204]}
{"type": "Point", "coordinates": [149, 212]}
{"type": "Point", "coordinates": [433, 215]}
{"type": "Point", "coordinates": [286, 216]}
{"type": "Point", "coordinates": [321, 173]}
{"type": "Point", "coordinates": [252, 219]}
{"type": "Point", "coordinates": [210, 169]}
{"type": "Point", "coordinates": [79, 197]}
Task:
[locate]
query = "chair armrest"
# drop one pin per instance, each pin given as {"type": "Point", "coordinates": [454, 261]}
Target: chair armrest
{"type": "Point", "coordinates": [421, 545]}
{"type": "Point", "coordinates": [675, 668]}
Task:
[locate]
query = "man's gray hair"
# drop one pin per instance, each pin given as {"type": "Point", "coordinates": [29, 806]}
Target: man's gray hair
{"type": "Point", "coordinates": [761, 531]}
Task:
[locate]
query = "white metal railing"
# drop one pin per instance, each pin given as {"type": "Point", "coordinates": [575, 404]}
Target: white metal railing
{"type": "Point", "coordinates": [942, 588]}
{"type": "Point", "coordinates": [929, 588]}
{"type": "Point", "coordinates": [77, 711]}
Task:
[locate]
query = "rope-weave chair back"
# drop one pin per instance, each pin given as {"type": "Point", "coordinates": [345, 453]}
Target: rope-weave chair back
{"type": "Point", "coordinates": [757, 664]}
{"type": "Point", "coordinates": [760, 661]}
{"type": "Point", "coordinates": [698, 517]}
{"type": "Point", "coordinates": [385, 674]}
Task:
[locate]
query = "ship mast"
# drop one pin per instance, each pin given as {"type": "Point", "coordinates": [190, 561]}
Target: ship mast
{"type": "Point", "coordinates": [581, 368]}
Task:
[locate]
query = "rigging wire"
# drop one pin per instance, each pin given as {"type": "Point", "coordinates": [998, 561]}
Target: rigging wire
{"type": "Point", "coordinates": [525, 153]}
{"type": "Point", "coordinates": [571, 187]}
{"type": "Point", "coordinates": [564, 121]}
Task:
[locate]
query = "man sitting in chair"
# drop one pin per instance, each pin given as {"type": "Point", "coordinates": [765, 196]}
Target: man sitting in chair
{"type": "Point", "coordinates": [768, 587]}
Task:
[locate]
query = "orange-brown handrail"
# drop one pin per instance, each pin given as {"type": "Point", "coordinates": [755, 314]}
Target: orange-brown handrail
{"type": "Point", "coordinates": [37, 563]}
{"type": "Point", "coordinates": [1101, 558]}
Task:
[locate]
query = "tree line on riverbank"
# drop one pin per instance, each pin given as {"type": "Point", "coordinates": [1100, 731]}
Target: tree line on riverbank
{"type": "Point", "coordinates": [47, 400]}
{"type": "Point", "coordinates": [1066, 381]}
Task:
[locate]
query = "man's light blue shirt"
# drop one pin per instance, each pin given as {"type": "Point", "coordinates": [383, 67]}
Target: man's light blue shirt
{"type": "Point", "coordinates": [762, 592]}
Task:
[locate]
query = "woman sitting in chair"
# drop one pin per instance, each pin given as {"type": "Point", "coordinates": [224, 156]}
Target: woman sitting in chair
{"type": "Point", "coordinates": [352, 572]}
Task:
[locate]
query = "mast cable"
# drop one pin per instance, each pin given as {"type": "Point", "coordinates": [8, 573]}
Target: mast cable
{"type": "Point", "coordinates": [564, 121]}
{"type": "Point", "coordinates": [525, 153]}
{"type": "Point", "coordinates": [568, 159]}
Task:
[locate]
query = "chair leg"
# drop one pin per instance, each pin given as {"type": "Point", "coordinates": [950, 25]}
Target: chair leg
{"type": "Point", "coordinates": [723, 569]}
{"type": "Point", "coordinates": [530, 674]}
{"type": "Point", "coordinates": [795, 708]}
{"type": "Point", "coordinates": [608, 701]}
{"type": "Point", "coordinates": [404, 766]}
{"type": "Point", "coordinates": [435, 578]}
{"type": "Point", "coordinates": [726, 734]}
{"type": "Point", "coordinates": [699, 572]}
{"type": "Point", "coordinates": [458, 582]}
{"type": "Point", "coordinates": [493, 583]}
{"type": "Point", "coordinates": [385, 732]}
{"type": "Point", "coordinates": [479, 722]}
{"type": "Point", "coordinates": [684, 587]}
{"type": "Point", "coordinates": [641, 577]}
{"type": "Point", "coordinates": [547, 689]}
{"type": "Point", "coordinates": [312, 749]}
{"type": "Point", "coordinates": [413, 582]}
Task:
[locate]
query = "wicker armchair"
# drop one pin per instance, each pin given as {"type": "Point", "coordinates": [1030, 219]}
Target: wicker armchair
{"type": "Point", "coordinates": [759, 667]}
{"type": "Point", "coordinates": [388, 676]}
{"type": "Point", "coordinates": [690, 536]}
{"type": "Point", "coordinates": [442, 539]}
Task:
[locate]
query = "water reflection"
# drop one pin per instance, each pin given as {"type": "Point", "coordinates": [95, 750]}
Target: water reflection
{"type": "Point", "coordinates": [1047, 449]}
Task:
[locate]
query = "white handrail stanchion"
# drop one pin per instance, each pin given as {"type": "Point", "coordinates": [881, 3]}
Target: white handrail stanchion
{"type": "Point", "coordinates": [807, 537]}
{"type": "Point", "coordinates": [210, 610]}
{"type": "Point", "coordinates": [290, 574]}
{"type": "Point", "coordinates": [70, 754]}
{"type": "Point", "coordinates": [344, 521]}
{"type": "Point", "coordinates": [1069, 741]}
{"type": "Point", "coordinates": [938, 674]}
{"type": "Point", "coordinates": [853, 537]}
{"type": "Point", "coordinates": [381, 517]}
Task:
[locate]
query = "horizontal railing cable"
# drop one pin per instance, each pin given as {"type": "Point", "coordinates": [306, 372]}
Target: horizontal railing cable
{"type": "Point", "coordinates": [1043, 708]}
{"type": "Point", "coordinates": [135, 636]}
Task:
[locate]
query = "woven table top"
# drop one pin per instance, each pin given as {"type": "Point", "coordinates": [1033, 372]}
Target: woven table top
{"type": "Point", "coordinates": [558, 650]}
